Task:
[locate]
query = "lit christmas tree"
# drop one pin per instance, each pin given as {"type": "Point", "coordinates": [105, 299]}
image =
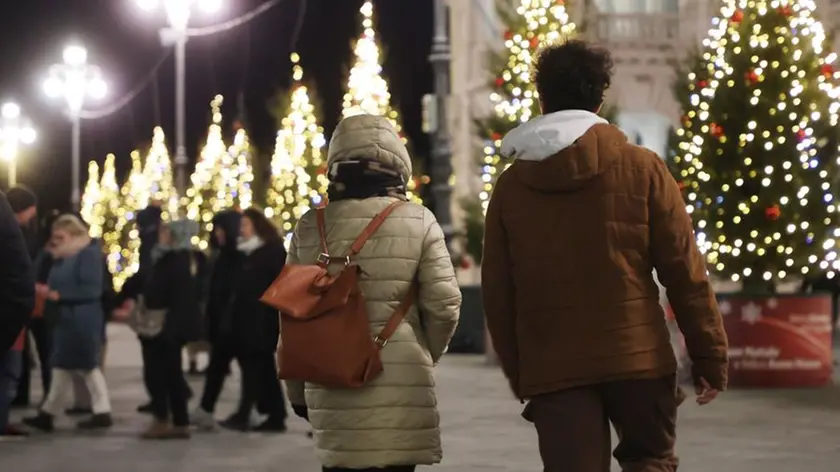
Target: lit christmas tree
{"type": "Point", "coordinates": [157, 175]}
{"type": "Point", "coordinates": [222, 177]}
{"type": "Point", "coordinates": [135, 197]}
{"type": "Point", "coordinates": [298, 178]}
{"type": "Point", "coordinates": [91, 209]}
{"type": "Point", "coordinates": [112, 213]}
{"type": "Point", "coordinates": [534, 24]}
{"type": "Point", "coordinates": [367, 90]}
{"type": "Point", "coordinates": [758, 147]}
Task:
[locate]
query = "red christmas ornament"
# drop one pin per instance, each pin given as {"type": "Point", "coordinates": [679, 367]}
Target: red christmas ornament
{"type": "Point", "coordinates": [703, 83]}
{"type": "Point", "coordinates": [681, 184]}
{"type": "Point", "coordinates": [322, 170]}
{"type": "Point", "coordinates": [715, 130]}
{"type": "Point", "coordinates": [827, 70]}
{"type": "Point", "coordinates": [737, 17]}
{"type": "Point", "coordinates": [801, 134]}
{"type": "Point", "coordinates": [535, 42]}
{"type": "Point", "coordinates": [496, 136]}
{"type": "Point", "coordinates": [773, 213]}
{"type": "Point", "coordinates": [751, 76]}
{"type": "Point", "coordinates": [560, 2]}
{"type": "Point", "coordinates": [499, 82]}
{"type": "Point", "coordinates": [786, 10]}
{"type": "Point", "coordinates": [685, 120]}
{"type": "Point", "coordinates": [508, 35]}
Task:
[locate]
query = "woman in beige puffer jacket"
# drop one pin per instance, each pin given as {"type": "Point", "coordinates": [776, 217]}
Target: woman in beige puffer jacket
{"type": "Point", "coordinates": [392, 423]}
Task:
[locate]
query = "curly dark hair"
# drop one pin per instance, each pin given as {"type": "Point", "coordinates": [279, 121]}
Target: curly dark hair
{"type": "Point", "coordinates": [264, 228]}
{"type": "Point", "coordinates": [573, 75]}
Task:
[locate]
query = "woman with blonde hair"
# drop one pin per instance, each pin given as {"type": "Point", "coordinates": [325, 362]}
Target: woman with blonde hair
{"type": "Point", "coordinates": [74, 286]}
{"type": "Point", "coordinates": [391, 424]}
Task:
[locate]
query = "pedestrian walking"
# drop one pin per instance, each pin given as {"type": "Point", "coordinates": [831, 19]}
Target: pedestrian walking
{"type": "Point", "coordinates": [390, 424]}
{"type": "Point", "coordinates": [148, 224]}
{"type": "Point", "coordinates": [573, 231]}
{"type": "Point", "coordinates": [75, 286]}
{"type": "Point", "coordinates": [255, 327]}
{"type": "Point", "coordinates": [172, 288]}
{"type": "Point", "coordinates": [219, 315]}
{"type": "Point", "coordinates": [17, 301]}
{"type": "Point", "coordinates": [24, 205]}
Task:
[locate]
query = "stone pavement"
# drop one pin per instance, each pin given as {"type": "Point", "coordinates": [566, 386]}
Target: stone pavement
{"type": "Point", "coordinates": [744, 431]}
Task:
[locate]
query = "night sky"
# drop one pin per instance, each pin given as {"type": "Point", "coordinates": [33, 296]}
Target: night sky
{"type": "Point", "coordinates": [251, 62]}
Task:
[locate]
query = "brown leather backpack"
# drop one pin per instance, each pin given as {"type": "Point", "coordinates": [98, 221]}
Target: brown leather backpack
{"type": "Point", "coordinates": [325, 335]}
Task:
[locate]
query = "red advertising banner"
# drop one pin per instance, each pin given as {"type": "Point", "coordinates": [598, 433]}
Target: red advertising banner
{"type": "Point", "coordinates": [778, 342]}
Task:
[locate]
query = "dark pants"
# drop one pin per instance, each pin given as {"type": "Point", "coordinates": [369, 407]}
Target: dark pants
{"type": "Point", "coordinates": [396, 468]}
{"type": "Point", "coordinates": [42, 334]}
{"type": "Point", "coordinates": [260, 385]}
{"type": "Point", "coordinates": [166, 382]}
{"type": "Point", "coordinates": [218, 368]}
{"type": "Point", "coordinates": [574, 426]}
{"type": "Point", "coordinates": [147, 348]}
{"type": "Point", "coordinates": [10, 364]}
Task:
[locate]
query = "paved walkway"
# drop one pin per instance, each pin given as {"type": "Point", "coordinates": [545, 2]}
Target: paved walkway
{"type": "Point", "coordinates": [744, 431]}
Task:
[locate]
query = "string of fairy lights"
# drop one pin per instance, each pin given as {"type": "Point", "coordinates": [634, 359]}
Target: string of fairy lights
{"type": "Point", "coordinates": [298, 172]}
{"type": "Point", "coordinates": [759, 185]}
{"type": "Point", "coordinates": [515, 100]}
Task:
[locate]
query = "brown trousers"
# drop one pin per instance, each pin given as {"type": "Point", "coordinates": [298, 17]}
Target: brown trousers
{"type": "Point", "coordinates": [574, 426]}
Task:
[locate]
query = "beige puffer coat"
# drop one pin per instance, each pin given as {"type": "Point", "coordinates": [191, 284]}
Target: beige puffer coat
{"type": "Point", "coordinates": [394, 420]}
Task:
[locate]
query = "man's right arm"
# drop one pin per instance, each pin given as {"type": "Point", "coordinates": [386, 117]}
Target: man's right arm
{"type": "Point", "coordinates": [17, 279]}
{"type": "Point", "coordinates": [498, 289]}
{"type": "Point", "coordinates": [682, 270]}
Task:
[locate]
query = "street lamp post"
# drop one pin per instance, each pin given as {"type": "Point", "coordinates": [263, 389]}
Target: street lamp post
{"type": "Point", "coordinates": [441, 168]}
{"type": "Point", "coordinates": [178, 13]}
{"type": "Point", "coordinates": [14, 131]}
{"type": "Point", "coordinates": [75, 80]}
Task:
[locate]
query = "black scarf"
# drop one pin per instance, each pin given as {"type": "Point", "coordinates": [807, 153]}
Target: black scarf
{"type": "Point", "coordinates": [364, 178]}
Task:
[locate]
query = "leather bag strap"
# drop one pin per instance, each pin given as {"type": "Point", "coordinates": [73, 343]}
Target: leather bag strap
{"type": "Point", "coordinates": [322, 229]}
{"type": "Point", "coordinates": [371, 228]}
{"type": "Point", "coordinates": [397, 317]}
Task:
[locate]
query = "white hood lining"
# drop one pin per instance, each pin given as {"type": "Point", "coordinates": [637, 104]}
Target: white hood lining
{"type": "Point", "coordinates": [547, 135]}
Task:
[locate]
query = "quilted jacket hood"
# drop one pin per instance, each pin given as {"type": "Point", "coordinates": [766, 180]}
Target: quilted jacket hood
{"type": "Point", "coordinates": [372, 137]}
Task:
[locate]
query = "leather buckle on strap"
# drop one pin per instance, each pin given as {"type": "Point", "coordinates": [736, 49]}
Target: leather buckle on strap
{"type": "Point", "coordinates": [326, 259]}
{"type": "Point", "coordinates": [380, 342]}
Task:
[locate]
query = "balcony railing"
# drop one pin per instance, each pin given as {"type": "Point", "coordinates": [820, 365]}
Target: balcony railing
{"type": "Point", "coordinates": [637, 30]}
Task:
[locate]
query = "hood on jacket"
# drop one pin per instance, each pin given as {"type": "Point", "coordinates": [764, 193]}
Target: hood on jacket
{"type": "Point", "coordinates": [369, 136]}
{"type": "Point", "coordinates": [229, 221]}
{"type": "Point", "coordinates": [562, 151]}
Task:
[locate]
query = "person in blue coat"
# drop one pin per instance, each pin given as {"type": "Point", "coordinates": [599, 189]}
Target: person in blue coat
{"type": "Point", "coordinates": [75, 287]}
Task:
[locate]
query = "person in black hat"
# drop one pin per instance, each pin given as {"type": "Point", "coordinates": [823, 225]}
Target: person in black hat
{"type": "Point", "coordinates": [17, 301]}
{"type": "Point", "coordinates": [24, 205]}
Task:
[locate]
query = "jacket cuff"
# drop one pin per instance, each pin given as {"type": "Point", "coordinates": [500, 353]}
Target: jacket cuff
{"type": "Point", "coordinates": [714, 371]}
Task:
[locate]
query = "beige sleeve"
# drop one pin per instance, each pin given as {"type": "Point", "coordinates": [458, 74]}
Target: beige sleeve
{"type": "Point", "coordinates": [439, 296]}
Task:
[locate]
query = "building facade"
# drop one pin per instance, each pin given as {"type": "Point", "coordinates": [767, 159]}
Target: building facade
{"type": "Point", "coordinates": [648, 39]}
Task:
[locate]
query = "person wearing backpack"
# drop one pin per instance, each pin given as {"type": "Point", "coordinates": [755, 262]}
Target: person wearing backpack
{"type": "Point", "coordinates": [395, 251]}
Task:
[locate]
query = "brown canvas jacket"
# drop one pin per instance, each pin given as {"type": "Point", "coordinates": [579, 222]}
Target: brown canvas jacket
{"type": "Point", "coordinates": [570, 246]}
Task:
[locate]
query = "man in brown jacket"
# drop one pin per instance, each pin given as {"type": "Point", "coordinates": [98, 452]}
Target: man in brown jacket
{"type": "Point", "coordinates": [574, 230]}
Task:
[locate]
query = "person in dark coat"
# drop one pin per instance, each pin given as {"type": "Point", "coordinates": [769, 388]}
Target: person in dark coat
{"type": "Point", "coordinates": [75, 286]}
{"type": "Point", "coordinates": [174, 286]}
{"type": "Point", "coordinates": [42, 322]}
{"type": "Point", "coordinates": [24, 205]}
{"type": "Point", "coordinates": [148, 223]}
{"type": "Point", "coordinates": [17, 300]}
{"type": "Point", "coordinates": [227, 261]}
{"type": "Point", "coordinates": [255, 327]}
